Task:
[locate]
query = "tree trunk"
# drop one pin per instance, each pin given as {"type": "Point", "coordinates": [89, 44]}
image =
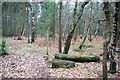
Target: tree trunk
{"type": "Point", "coordinates": [107, 30]}
{"type": "Point", "coordinates": [28, 22]}
{"type": "Point", "coordinates": [112, 68]}
{"type": "Point", "coordinates": [105, 60]}
{"type": "Point", "coordinates": [60, 27]}
{"type": "Point", "coordinates": [56, 63]}
{"type": "Point", "coordinates": [77, 58]}
{"type": "Point", "coordinates": [33, 24]}
{"type": "Point", "coordinates": [86, 33]}
{"type": "Point", "coordinates": [54, 20]}
{"type": "Point", "coordinates": [74, 23]}
{"type": "Point", "coordinates": [81, 45]}
{"type": "Point", "coordinates": [47, 42]}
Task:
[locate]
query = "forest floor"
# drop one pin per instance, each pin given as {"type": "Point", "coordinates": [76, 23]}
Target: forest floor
{"type": "Point", "coordinates": [29, 60]}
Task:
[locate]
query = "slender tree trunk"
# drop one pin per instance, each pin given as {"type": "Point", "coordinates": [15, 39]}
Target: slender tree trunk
{"type": "Point", "coordinates": [54, 20]}
{"type": "Point", "coordinates": [105, 60]}
{"type": "Point", "coordinates": [75, 35]}
{"type": "Point", "coordinates": [60, 27]}
{"type": "Point", "coordinates": [19, 27]}
{"type": "Point", "coordinates": [47, 42]}
{"type": "Point", "coordinates": [88, 29]}
{"type": "Point", "coordinates": [112, 68]}
{"type": "Point", "coordinates": [15, 11]}
{"type": "Point", "coordinates": [81, 45]}
{"type": "Point", "coordinates": [107, 31]}
{"type": "Point", "coordinates": [28, 22]}
{"type": "Point", "coordinates": [33, 24]}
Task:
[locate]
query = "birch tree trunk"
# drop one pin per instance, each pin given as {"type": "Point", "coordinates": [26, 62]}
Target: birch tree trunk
{"type": "Point", "coordinates": [112, 47]}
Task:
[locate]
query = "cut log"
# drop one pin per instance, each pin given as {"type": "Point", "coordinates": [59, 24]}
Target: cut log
{"type": "Point", "coordinates": [57, 63]}
{"type": "Point", "coordinates": [78, 58]}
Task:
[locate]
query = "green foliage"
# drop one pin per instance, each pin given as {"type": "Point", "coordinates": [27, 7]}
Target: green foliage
{"type": "Point", "coordinates": [87, 67]}
{"type": "Point", "coordinates": [74, 68]}
{"type": "Point", "coordinates": [58, 47]}
{"type": "Point", "coordinates": [47, 58]}
{"type": "Point", "coordinates": [12, 63]}
{"type": "Point", "coordinates": [3, 49]}
{"type": "Point", "coordinates": [48, 61]}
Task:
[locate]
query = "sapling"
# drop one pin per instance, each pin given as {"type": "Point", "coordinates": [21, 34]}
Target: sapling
{"type": "Point", "coordinates": [3, 49]}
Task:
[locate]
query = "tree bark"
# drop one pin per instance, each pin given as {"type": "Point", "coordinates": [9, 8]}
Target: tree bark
{"type": "Point", "coordinates": [74, 23]}
{"type": "Point", "coordinates": [77, 58]}
{"type": "Point", "coordinates": [54, 20]}
{"type": "Point", "coordinates": [60, 27]}
{"type": "Point", "coordinates": [107, 31]}
{"type": "Point", "coordinates": [81, 45]}
{"type": "Point", "coordinates": [28, 22]}
{"type": "Point", "coordinates": [112, 47]}
{"type": "Point", "coordinates": [56, 63]}
{"type": "Point", "coordinates": [104, 64]}
{"type": "Point", "coordinates": [33, 24]}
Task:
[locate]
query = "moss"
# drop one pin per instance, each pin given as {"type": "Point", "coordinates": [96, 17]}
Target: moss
{"type": "Point", "coordinates": [47, 58]}
{"type": "Point", "coordinates": [101, 54]}
{"type": "Point", "coordinates": [28, 46]}
{"type": "Point", "coordinates": [77, 56]}
{"type": "Point", "coordinates": [91, 54]}
{"type": "Point", "coordinates": [59, 66]}
{"type": "Point", "coordinates": [31, 51]}
{"type": "Point", "coordinates": [112, 69]}
{"type": "Point", "coordinates": [84, 45]}
{"type": "Point", "coordinates": [118, 57]}
{"type": "Point", "coordinates": [58, 47]}
{"type": "Point", "coordinates": [74, 68]}
{"type": "Point", "coordinates": [79, 50]}
{"type": "Point", "coordinates": [90, 46]}
{"type": "Point", "coordinates": [63, 52]}
{"type": "Point", "coordinates": [87, 67]}
{"type": "Point", "coordinates": [48, 62]}
{"type": "Point", "coordinates": [77, 43]}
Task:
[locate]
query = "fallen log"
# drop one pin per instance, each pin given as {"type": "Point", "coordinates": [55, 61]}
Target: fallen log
{"type": "Point", "coordinates": [78, 58]}
{"type": "Point", "coordinates": [57, 63]}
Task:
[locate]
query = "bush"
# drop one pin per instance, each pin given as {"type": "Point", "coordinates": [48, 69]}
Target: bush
{"type": "Point", "coordinates": [3, 49]}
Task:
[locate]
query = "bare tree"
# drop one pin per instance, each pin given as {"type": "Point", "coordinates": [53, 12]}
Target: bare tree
{"type": "Point", "coordinates": [72, 28]}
